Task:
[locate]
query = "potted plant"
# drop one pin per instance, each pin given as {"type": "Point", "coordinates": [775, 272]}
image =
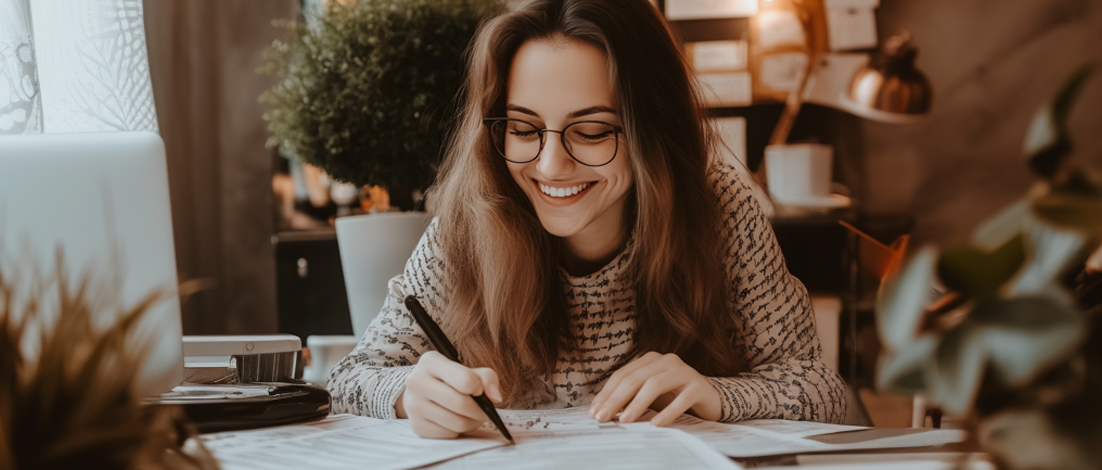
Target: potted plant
{"type": "Point", "coordinates": [364, 90]}
{"type": "Point", "coordinates": [69, 399]}
{"type": "Point", "coordinates": [1015, 343]}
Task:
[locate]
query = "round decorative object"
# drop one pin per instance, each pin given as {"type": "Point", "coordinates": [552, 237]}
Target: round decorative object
{"type": "Point", "coordinates": [891, 83]}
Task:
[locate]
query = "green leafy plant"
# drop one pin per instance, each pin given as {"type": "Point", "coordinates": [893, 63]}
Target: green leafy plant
{"type": "Point", "coordinates": [1008, 341]}
{"type": "Point", "coordinates": [365, 90]}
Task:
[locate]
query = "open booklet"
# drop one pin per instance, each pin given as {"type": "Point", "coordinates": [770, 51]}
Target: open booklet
{"type": "Point", "coordinates": [765, 437]}
{"type": "Point", "coordinates": [558, 439]}
{"type": "Point", "coordinates": [337, 442]}
{"type": "Point", "coordinates": [548, 439]}
{"type": "Point", "coordinates": [545, 440]}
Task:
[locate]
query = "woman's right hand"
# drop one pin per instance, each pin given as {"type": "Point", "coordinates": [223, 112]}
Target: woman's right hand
{"type": "Point", "coordinates": [438, 399]}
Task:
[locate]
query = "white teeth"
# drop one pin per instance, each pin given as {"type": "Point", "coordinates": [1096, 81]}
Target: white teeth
{"type": "Point", "coordinates": [563, 192]}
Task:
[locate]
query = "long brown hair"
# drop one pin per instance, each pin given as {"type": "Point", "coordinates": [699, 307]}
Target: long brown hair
{"type": "Point", "coordinates": [507, 309]}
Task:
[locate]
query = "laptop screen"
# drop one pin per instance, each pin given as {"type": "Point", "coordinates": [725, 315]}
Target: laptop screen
{"type": "Point", "coordinates": [100, 199]}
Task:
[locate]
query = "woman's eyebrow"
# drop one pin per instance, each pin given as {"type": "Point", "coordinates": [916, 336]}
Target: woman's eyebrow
{"type": "Point", "coordinates": [592, 110]}
{"type": "Point", "coordinates": [575, 114]}
{"type": "Point", "coordinates": [521, 109]}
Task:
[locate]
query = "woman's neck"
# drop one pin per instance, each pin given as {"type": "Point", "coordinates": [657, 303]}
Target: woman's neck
{"type": "Point", "coordinates": [592, 249]}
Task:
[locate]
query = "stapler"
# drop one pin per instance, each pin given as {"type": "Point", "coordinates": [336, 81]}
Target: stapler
{"type": "Point", "coordinates": [242, 382]}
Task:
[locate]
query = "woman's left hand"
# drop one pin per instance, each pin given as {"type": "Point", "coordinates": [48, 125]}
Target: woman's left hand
{"type": "Point", "coordinates": [659, 381]}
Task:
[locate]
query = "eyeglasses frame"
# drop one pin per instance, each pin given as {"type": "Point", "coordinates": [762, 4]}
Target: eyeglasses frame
{"type": "Point", "coordinates": [616, 130]}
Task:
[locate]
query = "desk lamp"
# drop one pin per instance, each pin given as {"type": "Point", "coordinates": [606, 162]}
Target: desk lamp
{"type": "Point", "coordinates": [890, 88]}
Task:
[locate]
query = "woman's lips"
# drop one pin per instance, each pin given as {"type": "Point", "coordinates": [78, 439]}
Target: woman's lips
{"type": "Point", "coordinates": [581, 188]}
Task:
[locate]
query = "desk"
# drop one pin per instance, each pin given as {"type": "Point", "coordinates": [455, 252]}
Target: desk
{"type": "Point", "coordinates": [563, 438]}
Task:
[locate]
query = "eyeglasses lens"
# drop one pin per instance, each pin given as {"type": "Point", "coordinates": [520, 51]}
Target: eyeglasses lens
{"type": "Point", "coordinates": [590, 143]}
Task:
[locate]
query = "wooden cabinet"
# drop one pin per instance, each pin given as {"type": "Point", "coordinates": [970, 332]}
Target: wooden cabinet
{"type": "Point", "coordinates": [310, 285]}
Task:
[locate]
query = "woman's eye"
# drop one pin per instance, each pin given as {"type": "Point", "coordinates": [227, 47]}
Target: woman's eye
{"type": "Point", "coordinates": [522, 133]}
{"type": "Point", "coordinates": [593, 137]}
{"type": "Point", "coordinates": [522, 130]}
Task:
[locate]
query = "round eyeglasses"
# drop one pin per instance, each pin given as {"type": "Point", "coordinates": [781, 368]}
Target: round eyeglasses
{"type": "Point", "coordinates": [591, 143]}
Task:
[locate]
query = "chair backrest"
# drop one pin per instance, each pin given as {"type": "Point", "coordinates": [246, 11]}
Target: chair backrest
{"type": "Point", "coordinates": [375, 248]}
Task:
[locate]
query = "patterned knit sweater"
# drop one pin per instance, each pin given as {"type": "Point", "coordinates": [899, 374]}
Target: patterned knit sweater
{"type": "Point", "coordinates": [771, 310]}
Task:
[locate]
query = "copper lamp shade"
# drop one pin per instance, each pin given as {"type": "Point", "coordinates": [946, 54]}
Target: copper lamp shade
{"type": "Point", "coordinates": [891, 83]}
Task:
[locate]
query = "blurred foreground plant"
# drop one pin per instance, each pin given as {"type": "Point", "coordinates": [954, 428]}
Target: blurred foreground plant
{"type": "Point", "coordinates": [67, 383]}
{"type": "Point", "coordinates": [1009, 341]}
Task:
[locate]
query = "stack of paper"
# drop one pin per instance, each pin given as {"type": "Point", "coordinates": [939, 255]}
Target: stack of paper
{"type": "Point", "coordinates": [565, 439]}
{"type": "Point", "coordinates": [337, 442]}
{"type": "Point", "coordinates": [548, 439]}
{"type": "Point", "coordinates": [765, 437]}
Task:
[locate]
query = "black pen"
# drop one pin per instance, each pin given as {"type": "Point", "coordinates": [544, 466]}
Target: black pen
{"type": "Point", "coordinates": [443, 346]}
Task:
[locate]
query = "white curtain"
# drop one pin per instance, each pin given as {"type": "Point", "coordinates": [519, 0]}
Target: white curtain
{"type": "Point", "coordinates": [20, 100]}
{"type": "Point", "coordinates": [93, 65]}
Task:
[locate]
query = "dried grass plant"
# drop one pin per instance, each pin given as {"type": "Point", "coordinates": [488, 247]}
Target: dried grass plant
{"type": "Point", "coordinates": [70, 404]}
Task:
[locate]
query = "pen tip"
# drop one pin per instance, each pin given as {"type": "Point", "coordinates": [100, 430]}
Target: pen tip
{"type": "Point", "coordinates": [512, 442]}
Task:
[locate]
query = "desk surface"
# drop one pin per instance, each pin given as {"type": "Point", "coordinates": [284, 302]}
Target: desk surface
{"type": "Point", "coordinates": [564, 439]}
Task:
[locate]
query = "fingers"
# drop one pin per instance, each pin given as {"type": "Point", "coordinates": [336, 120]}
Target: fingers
{"type": "Point", "coordinates": [490, 383]}
{"type": "Point", "coordinates": [437, 422]}
{"type": "Point", "coordinates": [456, 375]}
{"type": "Point", "coordinates": [653, 387]}
{"type": "Point", "coordinates": [685, 400]}
{"type": "Point", "coordinates": [660, 382]}
{"type": "Point", "coordinates": [613, 384]}
{"type": "Point", "coordinates": [440, 394]}
{"type": "Point", "coordinates": [438, 397]}
{"type": "Point", "coordinates": [636, 392]}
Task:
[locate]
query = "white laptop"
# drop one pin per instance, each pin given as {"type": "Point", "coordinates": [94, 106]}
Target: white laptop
{"type": "Point", "coordinates": [103, 199]}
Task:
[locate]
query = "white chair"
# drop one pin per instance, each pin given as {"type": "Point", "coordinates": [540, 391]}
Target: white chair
{"type": "Point", "coordinates": [374, 248]}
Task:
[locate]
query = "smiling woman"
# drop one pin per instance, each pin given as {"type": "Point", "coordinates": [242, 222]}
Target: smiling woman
{"type": "Point", "coordinates": [577, 184]}
{"type": "Point", "coordinates": [587, 250]}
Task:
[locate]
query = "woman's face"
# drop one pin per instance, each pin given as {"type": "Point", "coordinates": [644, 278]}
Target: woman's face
{"type": "Point", "coordinates": [553, 83]}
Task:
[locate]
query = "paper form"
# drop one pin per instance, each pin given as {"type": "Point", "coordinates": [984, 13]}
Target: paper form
{"type": "Point", "coordinates": [566, 419]}
{"type": "Point", "coordinates": [754, 438]}
{"type": "Point", "coordinates": [338, 442]}
{"type": "Point", "coordinates": [569, 438]}
{"type": "Point", "coordinates": [896, 465]}
{"type": "Point", "coordinates": [854, 460]}
{"type": "Point", "coordinates": [794, 428]}
{"type": "Point", "coordinates": [758, 438]}
{"type": "Point", "coordinates": [610, 448]}
{"type": "Point", "coordinates": [892, 438]}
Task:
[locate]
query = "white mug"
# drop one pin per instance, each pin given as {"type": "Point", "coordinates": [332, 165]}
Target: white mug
{"type": "Point", "coordinates": [325, 352]}
{"type": "Point", "coordinates": [798, 172]}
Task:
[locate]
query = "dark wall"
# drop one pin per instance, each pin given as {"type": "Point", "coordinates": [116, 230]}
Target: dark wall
{"type": "Point", "coordinates": [992, 63]}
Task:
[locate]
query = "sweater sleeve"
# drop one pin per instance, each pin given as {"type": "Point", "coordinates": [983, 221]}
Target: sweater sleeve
{"type": "Point", "coordinates": [773, 318]}
{"type": "Point", "coordinates": [370, 379]}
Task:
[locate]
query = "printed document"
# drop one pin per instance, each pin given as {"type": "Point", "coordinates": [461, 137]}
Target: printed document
{"type": "Point", "coordinates": [764, 437]}
{"type": "Point", "coordinates": [569, 438]}
{"type": "Point", "coordinates": [338, 442]}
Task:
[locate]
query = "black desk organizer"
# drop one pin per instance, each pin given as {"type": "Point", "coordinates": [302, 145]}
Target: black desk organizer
{"type": "Point", "coordinates": [228, 407]}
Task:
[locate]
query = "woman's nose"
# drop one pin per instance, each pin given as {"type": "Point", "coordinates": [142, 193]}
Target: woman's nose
{"type": "Point", "coordinates": [554, 161]}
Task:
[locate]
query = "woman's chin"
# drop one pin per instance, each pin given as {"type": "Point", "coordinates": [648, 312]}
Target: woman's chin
{"type": "Point", "coordinates": [560, 228]}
